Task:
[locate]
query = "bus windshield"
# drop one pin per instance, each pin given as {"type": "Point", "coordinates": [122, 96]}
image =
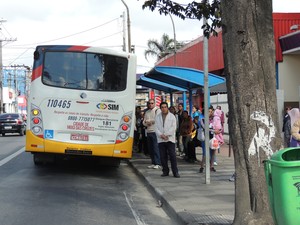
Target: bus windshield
{"type": "Point", "coordinates": [85, 71]}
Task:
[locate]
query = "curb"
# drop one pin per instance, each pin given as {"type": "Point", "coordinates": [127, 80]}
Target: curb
{"type": "Point", "coordinates": [175, 209]}
{"type": "Point", "coordinates": [162, 199]}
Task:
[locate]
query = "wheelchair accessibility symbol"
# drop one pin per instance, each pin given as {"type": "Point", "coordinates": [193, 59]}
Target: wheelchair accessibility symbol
{"type": "Point", "coordinates": [48, 134]}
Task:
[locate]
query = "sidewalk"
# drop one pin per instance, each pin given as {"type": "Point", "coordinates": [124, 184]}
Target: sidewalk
{"type": "Point", "coordinates": [188, 198]}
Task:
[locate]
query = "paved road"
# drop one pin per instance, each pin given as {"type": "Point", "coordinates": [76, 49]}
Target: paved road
{"type": "Point", "coordinates": [73, 192]}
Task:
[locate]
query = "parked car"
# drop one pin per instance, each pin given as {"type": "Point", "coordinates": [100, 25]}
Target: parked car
{"type": "Point", "coordinates": [12, 123]}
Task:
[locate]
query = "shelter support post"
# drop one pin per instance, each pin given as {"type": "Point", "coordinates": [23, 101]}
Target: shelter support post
{"type": "Point", "coordinates": [206, 105]}
{"type": "Point", "coordinates": [190, 102]}
{"type": "Point", "coordinates": [184, 100]}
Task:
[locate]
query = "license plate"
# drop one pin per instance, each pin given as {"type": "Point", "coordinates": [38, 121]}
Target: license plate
{"type": "Point", "coordinates": [7, 127]}
{"type": "Point", "coordinates": [79, 137]}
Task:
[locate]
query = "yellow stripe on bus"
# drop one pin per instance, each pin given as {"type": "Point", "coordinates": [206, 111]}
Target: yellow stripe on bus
{"type": "Point", "coordinates": [36, 144]}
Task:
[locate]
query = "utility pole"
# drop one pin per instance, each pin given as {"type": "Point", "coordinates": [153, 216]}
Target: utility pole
{"type": "Point", "coordinates": [16, 91]}
{"type": "Point", "coordinates": [206, 105]}
{"type": "Point", "coordinates": [124, 33]}
{"type": "Point", "coordinates": [1, 67]}
{"type": "Point", "coordinates": [18, 81]}
{"type": "Point", "coordinates": [1, 78]}
{"type": "Point", "coordinates": [128, 27]}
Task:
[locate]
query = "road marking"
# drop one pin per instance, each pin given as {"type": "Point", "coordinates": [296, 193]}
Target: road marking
{"type": "Point", "coordinates": [10, 157]}
{"type": "Point", "coordinates": [138, 220]}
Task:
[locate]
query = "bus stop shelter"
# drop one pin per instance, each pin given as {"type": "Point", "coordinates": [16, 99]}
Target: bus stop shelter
{"type": "Point", "coordinates": [181, 77]}
{"type": "Point", "coordinates": [161, 86]}
{"type": "Point", "coordinates": [158, 85]}
{"type": "Point", "coordinates": [189, 79]}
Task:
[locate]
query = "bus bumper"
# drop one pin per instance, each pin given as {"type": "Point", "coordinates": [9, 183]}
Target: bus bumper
{"type": "Point", "coordinates": [35, 144]}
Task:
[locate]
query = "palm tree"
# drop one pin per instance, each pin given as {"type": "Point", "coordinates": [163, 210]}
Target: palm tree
{"type": "Point", "coordinates": [160, 50]}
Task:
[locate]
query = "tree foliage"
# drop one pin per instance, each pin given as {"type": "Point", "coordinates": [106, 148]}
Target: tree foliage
{"type": "Point", "coordinates": [193, 10]}
{"type": "Point", "coordinates": [161, 49]}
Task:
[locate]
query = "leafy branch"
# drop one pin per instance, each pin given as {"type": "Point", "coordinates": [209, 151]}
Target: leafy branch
{"type": "Point", "coordinates": [193, 10]}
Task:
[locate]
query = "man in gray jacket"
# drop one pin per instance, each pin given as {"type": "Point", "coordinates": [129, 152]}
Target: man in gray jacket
{"type": "Point", "coordinates": [165, 131]}
{"type": "Point", "coordinates": [149, 122]}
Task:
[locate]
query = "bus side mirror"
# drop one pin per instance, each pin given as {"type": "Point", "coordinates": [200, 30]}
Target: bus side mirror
{"type": "Point", "coordinates": [36, 55]}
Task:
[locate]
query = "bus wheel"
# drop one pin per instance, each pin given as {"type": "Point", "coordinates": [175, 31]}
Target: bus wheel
{"type": "Point", "coordinates": [112, 162]}
{"type": "Point", "coordinates": [3, 134]}
{"type": "Point", "coordinates": [37, 159]}
{"type": "Point", "coordinates": [43, 159]}
{"type": "Point", "coordinates": [116, 163]}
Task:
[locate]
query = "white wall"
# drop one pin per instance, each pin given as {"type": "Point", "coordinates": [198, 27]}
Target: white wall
{"type": "Point", "coordinates": [280, 106]}
{"type": "Point", "coordinates": [289, 77]}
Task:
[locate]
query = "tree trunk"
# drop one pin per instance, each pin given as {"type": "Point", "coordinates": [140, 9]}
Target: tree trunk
{"type": "Point", "coordinates": [249, 54]}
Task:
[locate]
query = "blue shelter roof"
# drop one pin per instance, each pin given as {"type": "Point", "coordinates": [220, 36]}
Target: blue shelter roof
{"type": "Point", "coordinates": [183, 77]}
{"type": "Point", "coordinates": [158, 85]}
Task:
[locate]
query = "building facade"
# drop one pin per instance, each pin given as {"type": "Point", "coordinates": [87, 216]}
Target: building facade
{"type": "Point", "coordinates": [287, 42]}
{"type": "Point", "coordinates": [15, 88]}
{"type": "Point", "coordinates": [286, 28]}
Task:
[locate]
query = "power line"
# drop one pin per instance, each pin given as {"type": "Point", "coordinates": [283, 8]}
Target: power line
{"type": "Point", "coordinates": [74, 34]}
{"type": "Point", "coordinates": [102, 38]}
{"type": "Point", "coordinates": [6, 31]}
{"type": "Point", "coordinates": [1, 64]}
{"type": "Point", "coordinates": [70, 34]}
{"type": "Point", "coordinates": [25, 57]}
{"type": "Point", "coordinates": [84, 31]}
{"type": "Point", "coordinates": [19, 56]}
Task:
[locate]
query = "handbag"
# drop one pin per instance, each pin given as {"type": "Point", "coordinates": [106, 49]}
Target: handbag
{"type": "Point", "coordinates": [200, 134]}
{"type": "Point", "coordinates": [294, 142]}
{"type": "Point", "coordinates": [214, 143]}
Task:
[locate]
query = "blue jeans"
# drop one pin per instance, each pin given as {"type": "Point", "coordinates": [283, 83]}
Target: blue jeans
{"type": "Point", "coordinates": [153, 148]}
{"type": "Point", "coordinates": [211, 151]}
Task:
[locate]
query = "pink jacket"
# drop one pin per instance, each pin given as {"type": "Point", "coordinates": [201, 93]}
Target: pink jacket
{"type": "Point", "coordinates": [217, 125]}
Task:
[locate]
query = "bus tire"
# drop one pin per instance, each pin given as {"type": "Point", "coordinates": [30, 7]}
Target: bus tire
{"type": "Point", "coordinates": [116, 163]}
{"type": "Point", "coordinates": [37, 160]}
{"type": "Point", "coordinates": [43, 159]}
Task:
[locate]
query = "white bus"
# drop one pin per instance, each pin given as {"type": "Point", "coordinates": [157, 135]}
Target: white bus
{"type": "Point", "coordinates": [81, 102]}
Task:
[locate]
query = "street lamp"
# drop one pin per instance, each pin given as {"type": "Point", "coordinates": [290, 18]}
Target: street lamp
{"type": "Point", "coordinates": [128, 26]}
{"type": "Point", "coordinates": [174, 39]}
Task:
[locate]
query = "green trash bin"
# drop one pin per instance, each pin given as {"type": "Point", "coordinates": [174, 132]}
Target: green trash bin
{"type": "Point", "coordinates": [283, 181]}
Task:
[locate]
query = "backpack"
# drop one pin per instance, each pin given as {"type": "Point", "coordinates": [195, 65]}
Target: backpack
{"type": "Point", "coordinates": [200, 133]}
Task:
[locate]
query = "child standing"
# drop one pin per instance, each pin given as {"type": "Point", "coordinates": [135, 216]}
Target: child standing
{"type": "Point", "coordinates": [217, 125]}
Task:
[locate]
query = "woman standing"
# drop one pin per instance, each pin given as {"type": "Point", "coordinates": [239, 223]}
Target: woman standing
{"type": "Point", "coordinates": [295, 127]}
{"type": "Point", "coordinates": [186, 129]}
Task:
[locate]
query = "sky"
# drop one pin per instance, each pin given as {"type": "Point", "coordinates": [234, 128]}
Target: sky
{"type": "Point", "coordinates": [93, 23]}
